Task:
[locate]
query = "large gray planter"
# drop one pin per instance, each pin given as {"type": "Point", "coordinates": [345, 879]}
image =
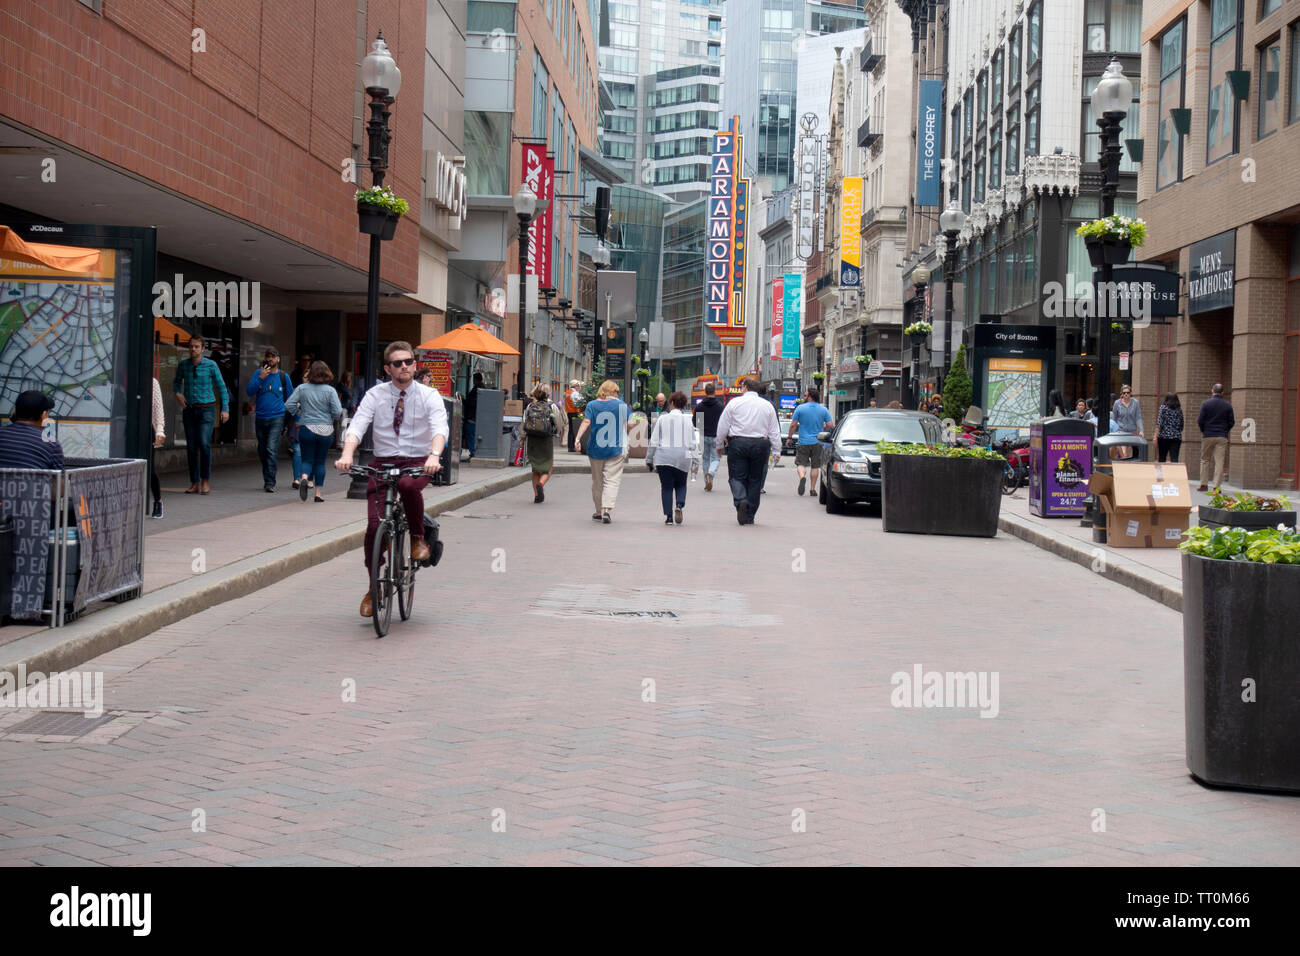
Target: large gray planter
{"type": "Point", "coordinates": [1241, 641]}
{"type": "Point", "coordinates": [1250, 520]}
{"type": "Point", "coordinates": [922, 494]}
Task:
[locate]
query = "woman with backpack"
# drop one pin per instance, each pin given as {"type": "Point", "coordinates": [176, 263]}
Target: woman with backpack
{"type": "Point", "coordinates": [543, 421]}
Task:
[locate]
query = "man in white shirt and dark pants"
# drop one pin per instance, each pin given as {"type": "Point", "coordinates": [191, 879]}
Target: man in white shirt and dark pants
{"type": "Point", "coordinates": [750, 431]}
{"type": "Point", "coordinates": [408, 429]}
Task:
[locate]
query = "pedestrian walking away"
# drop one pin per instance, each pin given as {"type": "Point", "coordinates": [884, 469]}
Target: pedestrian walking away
{"type": "Point", "coordinates": [408, 429]}
{"type": "Point", "coordinates": [608, 420]}
{"type": "Point", "coordinates": [572, 410]}
{"type": "Point", "coordinates": [1125, 419]}
{"type": "Point", "coordinates": [706, 417]}
{"type": "Point", "coordinates": [159, 420]}
{"type": "Point", "coordinates": [543, 421]}
{"type": "Point", "coordinates": [748, 430]}
{"type": "Point", "coordinates": [1169, 428]}
{"type": "Point", "coordinates": [316, 401]}
{"type": "Point", "coordinates": [810, 418]}
{"type": "Point", "coordinates": [1216, 421]}
{"type": "Point", "coordinates": [673, 444]}
{"type": "Point", "coordinates": [198, 385]}
{"type": "Point", "coordinates": [269, 389]}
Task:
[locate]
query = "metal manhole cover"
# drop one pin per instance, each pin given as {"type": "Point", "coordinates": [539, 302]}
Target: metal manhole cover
{"type": "Point", "coordinates": [642, 614]}
{"type": "Point", "coordinates": [690, 608]}
{"type": "Point", "coordinates": [448, 514]}
{"type": "Point", "coordinates": [59, 723]}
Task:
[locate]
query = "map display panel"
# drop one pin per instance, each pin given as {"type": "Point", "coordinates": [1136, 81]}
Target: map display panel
{"type": "Point", "coordinates": [1014, 392]}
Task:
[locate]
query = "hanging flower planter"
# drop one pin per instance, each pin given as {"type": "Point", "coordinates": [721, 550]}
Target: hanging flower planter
{"type": "Point", "coordinates": [1111, 239]}
{"type": "Point", "coordinates": [378, 211]}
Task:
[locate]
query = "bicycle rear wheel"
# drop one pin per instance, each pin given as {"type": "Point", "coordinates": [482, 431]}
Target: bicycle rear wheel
{"type": "Point", "coordinates": [1010, 480]}
{"type": "Point", "coordinates": [381, 577]}
{"type": "Point", "coordinates": [403, 575]}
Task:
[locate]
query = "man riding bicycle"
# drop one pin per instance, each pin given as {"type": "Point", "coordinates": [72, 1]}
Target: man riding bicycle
{"type": "Point", "coordinates": [408, 425]}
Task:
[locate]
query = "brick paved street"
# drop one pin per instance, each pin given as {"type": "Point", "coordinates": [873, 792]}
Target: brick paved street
{"type": "Point", "coordinates": [515, 697]}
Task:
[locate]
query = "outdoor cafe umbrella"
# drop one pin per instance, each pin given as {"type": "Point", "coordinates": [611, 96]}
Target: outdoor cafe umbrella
{"type": "Point", "coordinates": [62, 258]}
{"type": "Point", "coordinates": [470, 338]}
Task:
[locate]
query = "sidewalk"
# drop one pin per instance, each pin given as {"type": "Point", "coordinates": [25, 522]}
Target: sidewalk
{"type": "Point", "coordinates": [1154, 572]}
{"type": "Point", "coordinates": [213, 548]}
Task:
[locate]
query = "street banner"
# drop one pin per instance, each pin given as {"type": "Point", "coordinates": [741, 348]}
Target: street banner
{"type": "Point", "coordinates": [929, 142]}
{"type": "Point", "coordinates": [25, 497]}
{"type": "Point", "coordinates": [778, 313]}
{"type": "Point", "coordinates": [792, 316]}
{"type": "Point", "coordinates": [539, 176]}
{"type": "Point", "coordinates": [850, 237]}
{"type": "Point", "coordinates": [720, 222]}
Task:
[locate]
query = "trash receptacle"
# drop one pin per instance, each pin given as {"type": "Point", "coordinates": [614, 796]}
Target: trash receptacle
{"type": "Point", "coordinates": [1060, 464]}
{"type": "Point", "coordinates": [1102, 450]}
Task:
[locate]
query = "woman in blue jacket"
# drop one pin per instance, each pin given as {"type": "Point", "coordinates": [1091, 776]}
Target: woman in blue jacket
{"type": "Point", "coordinates": [317, 404]}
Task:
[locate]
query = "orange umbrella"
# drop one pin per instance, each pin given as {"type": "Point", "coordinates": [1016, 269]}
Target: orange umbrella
{"type": "Point", "coordinates": [62, 258]}
{"type": "Point", "coordinates": [470, 338]}
{"type": "Point", "coordinates": [169, 331]}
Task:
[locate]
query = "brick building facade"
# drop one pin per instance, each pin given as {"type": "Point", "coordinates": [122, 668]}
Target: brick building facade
{"type": "Point", "coordinates": [1222, 206]}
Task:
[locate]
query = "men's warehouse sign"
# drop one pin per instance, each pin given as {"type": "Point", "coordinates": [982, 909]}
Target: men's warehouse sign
{"type": "Point", "coordinates": [1212, 273]}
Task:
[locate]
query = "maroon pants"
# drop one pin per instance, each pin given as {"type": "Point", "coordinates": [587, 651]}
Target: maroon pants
{"type": "Point", "coordinates": [412, 500]}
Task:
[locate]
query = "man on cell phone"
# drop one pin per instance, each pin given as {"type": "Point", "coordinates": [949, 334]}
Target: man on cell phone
{"type": "Point", "coordinates": [269, 388]}
{"type": "Point", "coordinates": [408, 427]}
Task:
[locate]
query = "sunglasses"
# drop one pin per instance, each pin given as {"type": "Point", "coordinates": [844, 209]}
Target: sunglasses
{"type": "Point", "coordinates": [398, 363]}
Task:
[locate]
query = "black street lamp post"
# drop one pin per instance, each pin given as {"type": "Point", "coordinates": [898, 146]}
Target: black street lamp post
{"type": "Point", "coordinates": [382, 80]}
{"type": "Point", "coordinates": [644, 339]}
{"type": "Point", "coordinates": [820, 342]}
{"type": "Point", "coordinates": [863, 321]}
{"type": "Point", "coordinates": [600, 260]}
{"type": "Point", "coordinates": [1110, 102]}
{"type": "Point", "coordinates": [951, 221]}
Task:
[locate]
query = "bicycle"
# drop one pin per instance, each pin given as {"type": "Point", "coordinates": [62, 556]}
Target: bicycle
{"type": "Point", "coordinates": [391, 567]}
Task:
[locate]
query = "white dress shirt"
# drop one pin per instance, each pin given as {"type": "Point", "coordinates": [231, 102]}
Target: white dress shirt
{"type": "Point", "coordinates": [750, 416]}
{"type": "Point", "coordinates": [674, 441]}
{"type": "Point", "coordinates": [423, 417]}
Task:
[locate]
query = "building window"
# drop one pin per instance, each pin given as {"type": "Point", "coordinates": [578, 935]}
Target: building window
{"type": "Point", "coordinates": [1270, 76]}
{"type": "Point", "coordinates": [955, 147]}
{"type": "Point", "coordinates": [979, 179]}
{"type": "Point", "coordinates": [982, 100]}
{"type": "Point", "coordinates": [995, 157]}
{"type": "Point", "coordinates": [1268, 6]}
{"type": "Point", "coordinates": [487, 153]}
{"type": "Point", "coordinates": [997, 81]}
{"type": "Point", "coordinates": [1035, 35]}
{"type": "Point", "coordinates": [1013, 51]}
{"type": "Point", "coordinates": [1293, 106]}
{"type": "Point", "coordinates": [1221, 117]}
{"type": "Point", "coordinates": [484, 17]}
{"type": "Point", "coordinates": [541, 83]}
{"type": "Point", "coordinates": [1013, 140]}
{"type": "Point", "coordinates": [1031, 120]}
{"type": "Point", "coordinates": [1113, 26]}
{"type": "Point", "coordinates": [1169, 145]}
{"type": "Point", "coordinates": [968, 109]}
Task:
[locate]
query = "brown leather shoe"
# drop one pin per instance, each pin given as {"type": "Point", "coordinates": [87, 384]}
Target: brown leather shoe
{"type": "Point", "coordinates": [419, 550]}
{"type": "Point", "coordinates": [367, 608]}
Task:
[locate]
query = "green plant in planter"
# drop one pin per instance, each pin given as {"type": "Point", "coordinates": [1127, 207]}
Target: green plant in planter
{"type": "Point", "coordinates": [918, 328]}
{"type": "Point", "coordinates": [1125, 228]}
{"type": "Point", "coordinates": [957, 388]}
{"type": "Point", "coordinates": [819, 375]}
{"type": "Point", "coordinates": [1280, 545]}
{"type": "Point", "coordinates": [936, 451]}
{"type": "Point", "coordinates": [642, 372]}
{"type": "Point", "coordinates": [863, 359]}
{"type": "Point", "coordinates": [1243, 501]}
{"type": "Point", "coordinates": [384, 198]}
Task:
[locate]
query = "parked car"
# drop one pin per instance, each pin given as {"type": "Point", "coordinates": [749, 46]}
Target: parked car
{"type": "Point", "coordinates": [787, 443]}
{"type": "Point", "coordinates": [851, 472]}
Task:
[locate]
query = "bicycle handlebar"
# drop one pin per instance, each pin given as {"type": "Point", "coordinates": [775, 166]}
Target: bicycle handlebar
{"type": "Point", "coordinates": [383, 474]}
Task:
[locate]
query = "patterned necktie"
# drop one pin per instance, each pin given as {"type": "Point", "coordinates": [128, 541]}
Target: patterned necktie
{"type": "Point", "coordinates": [399, 412]}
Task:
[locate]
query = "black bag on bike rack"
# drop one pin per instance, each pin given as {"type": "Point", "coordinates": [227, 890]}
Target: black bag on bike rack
{"type": "Point", "coordinates": [431, 539]}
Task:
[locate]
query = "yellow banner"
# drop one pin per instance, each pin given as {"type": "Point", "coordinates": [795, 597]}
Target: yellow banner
{"type": "Point", "coordinates": [1015, 365]}
{"type": "Point", "coordinates": [850, 222]}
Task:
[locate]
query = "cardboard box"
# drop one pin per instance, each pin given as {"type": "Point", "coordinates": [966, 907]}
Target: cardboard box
{"type": "Point", "coordinates": [1147, 505]}
{"type": "Point", "coordinates": [513, 407]}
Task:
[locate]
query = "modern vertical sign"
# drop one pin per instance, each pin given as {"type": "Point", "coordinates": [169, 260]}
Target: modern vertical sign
{"type": "Point", "coordinates": [778, 314]}
{"type": "Point", "coordinates": [824, 162]}
{"type": "Point", "coordinates": [792, 316]}
{"type": "Point", "coordinates": [539, 176]}
{"type": "Point", "coordinates": [740, 230]}
{"type": "Point", "coordinates": [929, 143]}
{"type": "Point", "coordinates": [850, 237]}
{"type": "Point", "coordinates": [809, 153]}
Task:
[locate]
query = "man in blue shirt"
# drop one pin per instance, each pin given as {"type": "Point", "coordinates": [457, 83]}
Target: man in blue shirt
{"type": "Point", "coordinates": [810, 418]}
{"type": "Point", "coordinates": [198, 383]}
{"type": "Point", "coordinates": [270, 387]}
{"type": "Point", "coordinates": [608, 420]}
{"type": "Point", "coordinates": [23, 443]}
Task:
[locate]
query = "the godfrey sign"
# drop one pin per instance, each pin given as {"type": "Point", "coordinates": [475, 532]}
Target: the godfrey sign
{"type": "Point", "coordinates": [929, 143]}
{"type": "Point", "coordinates": [1212, 273]}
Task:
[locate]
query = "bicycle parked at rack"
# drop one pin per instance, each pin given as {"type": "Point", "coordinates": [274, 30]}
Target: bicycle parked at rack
{"type": "Point", "coordinates": [392, 569]}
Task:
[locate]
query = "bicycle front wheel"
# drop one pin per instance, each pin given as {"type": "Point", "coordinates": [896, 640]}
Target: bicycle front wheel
{"type": "Point", "coordinates": [1010, 480]}
{"type": "Point", "coordinates": [403, 575]}
{"type": "Point", "coordinates": [381, 577]}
